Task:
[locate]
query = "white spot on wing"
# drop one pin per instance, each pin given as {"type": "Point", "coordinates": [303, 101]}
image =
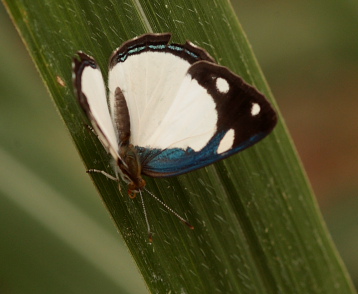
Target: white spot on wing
{"type": "Point", "coordinates": [255, 109]}
{"type": "Point", "coordinates": [222, 85]}
{"type": "Point", "coordinates": [227, 141]}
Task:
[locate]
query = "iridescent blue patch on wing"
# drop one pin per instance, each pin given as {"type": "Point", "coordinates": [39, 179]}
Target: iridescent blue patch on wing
{"type": "Point", "coordinates": [157, 47]}
{"type": "Point", "coordinates": [176, 161]}
{"type": "Point", "coordinates": [134, 50]}
{"type": "Point", "coordinates": [170, 48]}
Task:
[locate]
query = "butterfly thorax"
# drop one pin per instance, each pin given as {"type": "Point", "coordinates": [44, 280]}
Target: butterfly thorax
{"type": "Point", "coordinates": [131, 168]}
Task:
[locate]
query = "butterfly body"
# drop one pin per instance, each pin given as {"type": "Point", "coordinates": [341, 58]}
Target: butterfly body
{"type": "Point", "coordinates": [129, 161]}
{"type": "Point", "coordinates": [171, 110]}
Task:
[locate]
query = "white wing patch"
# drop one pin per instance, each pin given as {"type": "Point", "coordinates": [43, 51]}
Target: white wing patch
{"type": "Point", "coordinates": [93, 87]}
{"type": "Point", "coordinates": [255, 109]}
{"type": "Point", "coordinates": [222, 85]}
{"type": "Point", "coordinates": [226, 142]}
{"type": "Point", "coordinates": [167, 107]}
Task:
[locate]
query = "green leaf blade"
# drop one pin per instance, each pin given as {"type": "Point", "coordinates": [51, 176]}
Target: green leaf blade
{"type": "Point", "coordinates": [257, 226]}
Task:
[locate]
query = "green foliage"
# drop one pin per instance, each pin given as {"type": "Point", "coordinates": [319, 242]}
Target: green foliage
{"type": "Point", "coordinates": [257, 226]}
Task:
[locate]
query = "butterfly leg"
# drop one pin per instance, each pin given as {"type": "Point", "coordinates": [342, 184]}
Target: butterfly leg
{"type": "Point", "coordinates": [107, 175]}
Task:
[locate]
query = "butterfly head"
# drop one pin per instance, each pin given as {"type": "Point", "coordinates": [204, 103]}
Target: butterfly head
{"type": "Point", "coordinates": [135, 187]}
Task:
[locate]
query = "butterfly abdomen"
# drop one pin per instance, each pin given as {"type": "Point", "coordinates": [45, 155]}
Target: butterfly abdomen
{"type": "Point", "coordinates": [121, 118]}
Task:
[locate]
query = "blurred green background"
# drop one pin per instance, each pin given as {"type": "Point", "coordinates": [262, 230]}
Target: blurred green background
{"type": "Point", "coordinates": [56, 236]}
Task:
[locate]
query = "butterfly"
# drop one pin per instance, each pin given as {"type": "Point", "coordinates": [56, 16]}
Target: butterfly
{"type": "Point", "coordinates": [171, 108]}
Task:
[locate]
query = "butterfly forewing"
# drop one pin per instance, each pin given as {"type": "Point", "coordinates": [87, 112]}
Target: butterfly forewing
{"type": "Point", "coordinates": [153, 76]}
{"type": "Point", "coordinates": [91, 93]}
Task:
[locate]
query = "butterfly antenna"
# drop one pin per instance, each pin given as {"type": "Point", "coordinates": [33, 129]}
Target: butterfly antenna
{"type": "Point", "coordinates": [150, 235]}
{"type": "Point", "coordinates": [169, 209]}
